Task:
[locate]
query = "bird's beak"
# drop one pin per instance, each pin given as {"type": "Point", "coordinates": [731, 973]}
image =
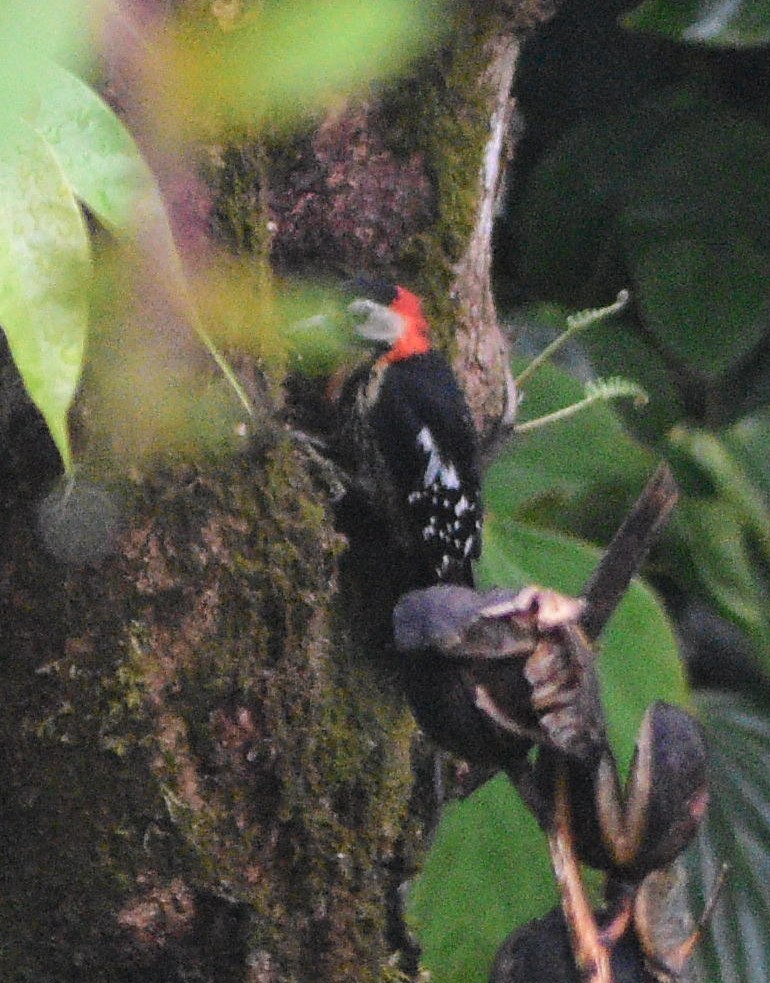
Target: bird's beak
{"type": "Point", "coordinates": [380, 323]}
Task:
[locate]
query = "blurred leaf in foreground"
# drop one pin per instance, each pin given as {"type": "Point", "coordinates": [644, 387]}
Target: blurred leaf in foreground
{"type": "Point", "coordinates": [95, 151]}
{"type": "Point", "coordinates": [44, 277]}
{"type": "Point", "coordinates": [30, 33]}
{"type": "Point", "coordinates": [283, 61]}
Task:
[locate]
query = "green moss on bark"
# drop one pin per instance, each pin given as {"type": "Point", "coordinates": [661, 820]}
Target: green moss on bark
{"type": "Point", "coordinates": [452, 132]}
{"type": "Point", "coordinates": [196, 755]}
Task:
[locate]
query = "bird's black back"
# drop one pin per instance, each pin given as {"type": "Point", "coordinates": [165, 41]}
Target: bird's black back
{"type": "Point", "coordinates": [418, 394]}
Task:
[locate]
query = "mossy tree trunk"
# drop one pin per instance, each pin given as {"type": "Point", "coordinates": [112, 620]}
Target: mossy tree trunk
{"type": "Point", "coordinates": [202, 780]}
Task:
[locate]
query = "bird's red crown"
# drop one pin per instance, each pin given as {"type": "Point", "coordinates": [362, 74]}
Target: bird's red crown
{"type": "Point", "coordinates": [415, 337]}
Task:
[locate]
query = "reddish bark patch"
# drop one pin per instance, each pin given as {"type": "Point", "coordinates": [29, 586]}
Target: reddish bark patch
{"type": "Point", "coordinates": [158, 912]}
{"type": "Point", "coordinates": [345, 198]}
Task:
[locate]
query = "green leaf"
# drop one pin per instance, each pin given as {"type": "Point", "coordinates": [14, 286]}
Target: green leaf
{"type": "Point", "coordinates": [58, 29]}
{"type": "Point", "coordinates": [44, 277]}
{"type": "Point", "coordinates": [693, 227]}
{"type": "Point", "coordinates": [567, 224]}
{"type": "Point", "coordinates": [723, 520]}
{"type": "Point", "coordinates": [303, 49]}
{"type": "Point", "coordinates": [487, 871]}
{"type": "Point", "coordinates": [95, 151]}
{"type": "Point", "coordinates": [715, 538]}
{"type": "Point", "coordinates": [707, 302]}
{"type": "Point", "coordinates": [107, 172]}
{"type": "Point", "coordinates": [283, 61]}
{"type": "Point", "coordinates": [30, 33]}
{"type": "Point", "coordinates": [708, 172]}
{"type": "Point", "coordinates": [676, 192]}
{"type": "Point", "coordinates": [736, 944]}
{"type": "Point", "coordinates": [615, 347]}
{"type": "Point", "coordinates": [713, 456]}
{"type": "Point", "coordinates": [748, 441]}
{"type": "Point", "coordinates": [314, 328]}
{"type": "Point", "coordinates": [724, 23]}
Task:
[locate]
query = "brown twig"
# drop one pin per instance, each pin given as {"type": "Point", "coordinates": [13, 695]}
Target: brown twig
{"type": "Point", "coordinates": [591, 955]}
{"type": "Point", "coordinates": [626, 553]}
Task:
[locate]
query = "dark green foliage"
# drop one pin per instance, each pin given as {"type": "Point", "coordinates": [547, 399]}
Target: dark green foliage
{"type": "Point", "coordinates": [669, 197]}
{"type": "Point", "coordinates": [662, 187]}
{"type": "Point", "coordinates": [736, 830]}
{"type": "Point", "coordinates": [742, 24]}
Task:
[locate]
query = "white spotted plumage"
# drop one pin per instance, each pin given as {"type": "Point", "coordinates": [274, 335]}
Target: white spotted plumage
{"type": "Point", "coordinates": [438, 473]}
{"type": "Point", "coordinates": [440, 504]}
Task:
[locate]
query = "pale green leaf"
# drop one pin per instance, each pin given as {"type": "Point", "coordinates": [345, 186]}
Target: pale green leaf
{"type": "Point", "coordinates": [30, 32]}
{"type": "Point", "coordinates": [96, 152]}
{"type": "Point", "coordinates": [44, 276]}
{"type": "Point", "coordinates": [107, 172]}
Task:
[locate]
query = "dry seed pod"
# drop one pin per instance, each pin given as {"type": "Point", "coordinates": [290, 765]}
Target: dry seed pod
{"type": "Point", "coordinates": [490, 674]}
{"type": "Point", "coordinates": [565, 694]}
{"type": "Point", "coordinates": [650, 824]}
{"type": "Point", "coordinates": [440, 676]}
{"type": "Point", "coordinates": [664, 925]}
{"type": "Point", "coordinates": [450, 619]}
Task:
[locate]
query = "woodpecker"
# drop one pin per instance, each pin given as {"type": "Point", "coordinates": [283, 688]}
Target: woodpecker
{"type": "Point", "coordinates": [407, 440]}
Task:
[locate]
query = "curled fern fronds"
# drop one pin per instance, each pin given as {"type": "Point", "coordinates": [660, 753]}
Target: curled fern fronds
{"type": "Point", "coordinates": [616, 387]}
{"type": "Point", "coordinates": [575, 324]}
{"type": "Point", "coordinates": [584, 319]}
{"type": "Point", "coordinates": [598, 391]}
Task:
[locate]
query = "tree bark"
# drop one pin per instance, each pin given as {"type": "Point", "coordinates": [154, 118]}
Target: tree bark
{"type": "Point", "coordinates": [202, 778]}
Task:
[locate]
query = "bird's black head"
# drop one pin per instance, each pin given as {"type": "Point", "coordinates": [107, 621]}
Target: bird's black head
{"type": "Point", "coordinates": [382, 291]}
